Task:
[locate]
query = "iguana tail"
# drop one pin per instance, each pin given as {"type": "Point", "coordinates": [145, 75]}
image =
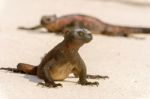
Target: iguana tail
{"type": "Point", "coordinates": [124, 29]}
{"type": "Point", "coordinates": [23, 68]}
{"type": "Point", "coordinates": [30, 28]}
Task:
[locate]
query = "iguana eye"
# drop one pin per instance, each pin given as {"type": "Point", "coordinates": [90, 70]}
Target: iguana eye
{"type": "Point", "coordinates": [81, 33]}
{"type": "Point", "coordinates": [48, 19]}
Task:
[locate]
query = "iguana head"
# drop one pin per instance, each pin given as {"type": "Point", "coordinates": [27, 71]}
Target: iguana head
{"type": "Point", "coordinates": [47, 19]}
{"type": "Point", "coordinates": [79, 35]}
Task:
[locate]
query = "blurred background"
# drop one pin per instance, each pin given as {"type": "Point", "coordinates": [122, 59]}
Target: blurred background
{"type": "Point", "coordinates": [113, 11]}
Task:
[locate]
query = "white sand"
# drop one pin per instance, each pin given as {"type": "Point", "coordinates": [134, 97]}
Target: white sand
{"type": "Point", "coordinates": [125, 61]}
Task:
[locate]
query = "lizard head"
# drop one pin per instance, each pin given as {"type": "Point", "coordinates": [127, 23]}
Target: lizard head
{"type": "Point", "coordinates": [45, 20]}
{"type": "Point", "coordinates": [79, 35]}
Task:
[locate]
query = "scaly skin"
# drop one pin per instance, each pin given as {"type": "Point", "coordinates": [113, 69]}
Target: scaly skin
{"type": "Point", "coordinates": [59, 24]}
{"type": "Point", "coordinates": [61, 61]}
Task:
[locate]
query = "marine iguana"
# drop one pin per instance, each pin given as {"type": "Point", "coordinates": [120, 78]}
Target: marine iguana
{"type": "Point", "coordinates": [58, 24]}
{"type": "Point", "coordinates": [61, 61]}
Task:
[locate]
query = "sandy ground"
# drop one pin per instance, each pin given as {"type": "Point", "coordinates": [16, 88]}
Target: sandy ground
{"type": "Point", "coordinates": [125, 61]}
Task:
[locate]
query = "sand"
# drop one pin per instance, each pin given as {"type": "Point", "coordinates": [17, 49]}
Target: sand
{"type": "Point", "coordinates": [124, 60]}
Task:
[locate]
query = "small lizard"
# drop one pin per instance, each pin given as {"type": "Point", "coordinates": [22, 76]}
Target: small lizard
{"type": "Point", "coordinates": [61, 61]}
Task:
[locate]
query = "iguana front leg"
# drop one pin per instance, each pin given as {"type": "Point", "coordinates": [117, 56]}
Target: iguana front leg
{"type": "Point", "coordinates": [49, 82]}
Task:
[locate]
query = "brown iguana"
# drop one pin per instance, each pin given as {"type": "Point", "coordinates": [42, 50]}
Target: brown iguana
{"type": "Point", "coordinates": [61, 61]}
{"type": "Point", "coordinates": [58, 24]}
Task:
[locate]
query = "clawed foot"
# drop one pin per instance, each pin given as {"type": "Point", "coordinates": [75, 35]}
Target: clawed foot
{"type": "Point", "coordinates": [89, 83]}
{"type": "Point", "coordinates": [50, 85]}
{"type": "Point", "coordinates": [97, 77]}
